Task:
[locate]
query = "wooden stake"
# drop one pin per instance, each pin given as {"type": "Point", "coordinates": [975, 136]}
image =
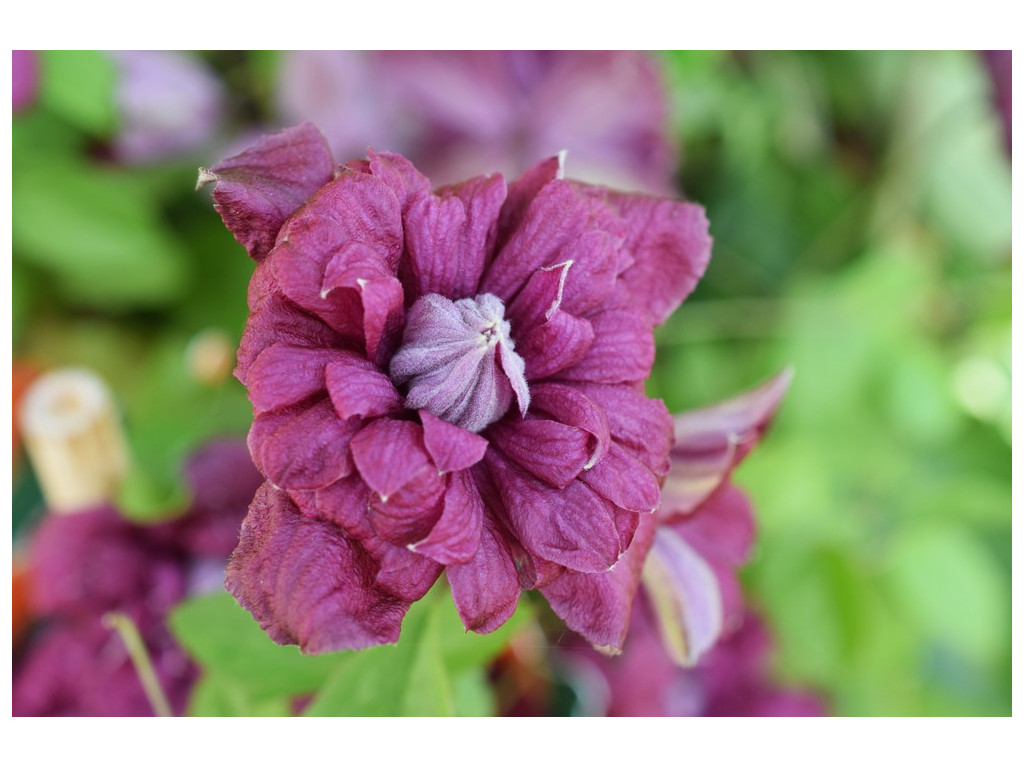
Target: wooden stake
{"type": "Point", "coordinates": [74, 439]}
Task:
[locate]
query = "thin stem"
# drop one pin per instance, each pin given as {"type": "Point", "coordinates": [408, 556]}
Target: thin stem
{"type": "Point", "coordinates": [129, 633]}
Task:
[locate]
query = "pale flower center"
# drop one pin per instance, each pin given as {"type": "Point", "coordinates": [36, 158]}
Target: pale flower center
{"type": "Point", "coordinates": [459, 361]}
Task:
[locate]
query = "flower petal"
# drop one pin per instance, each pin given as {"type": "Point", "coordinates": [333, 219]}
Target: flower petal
{"type": "Point", "coordinates": [408, 515]}
{"type": "Point", "coordinates": [448, 236]}
{"type": "Point", "coordinates": [485, 589]}
{"type": "Point", "coordinates": [599, 605]}
{"type": "Point", "coordinates": [283, 375]}
{"type": "Point", "coordinates": [560, 343]}
{"type": "Point", "coordinates": [305, 582]}
{"type": "Point", "coordinates": [389, 454]}
{"type": "Point", "coordinates": [573, 526]}
{"type": "Point", "coordinates": [451, 448]}
{"type": "Point", "coordinates": [257, 190]}
{"type": "Point", "coordinates": [456, 536]}
{"type": "Point", "coordinates": [553, 452]}
{"type": "Point", "coordinates": [670, 246]}
{"type": "Point", "coordinates": [570, 406]}
{"type": "Point", "coordinates": [622, 350]}
{"type": "Point", "coordinates": [684, 592]}
{"type": "Point", "coordinates": [624, 481]}
{"type": "Point", "coordinates": [358, 388]}
{"type": "Point", "coordinates": [302, 447]}
{"type": "Point", "coordinates": [711, 441]}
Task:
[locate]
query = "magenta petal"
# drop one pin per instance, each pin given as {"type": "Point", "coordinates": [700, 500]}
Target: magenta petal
{"type": "Point", "coordinates": [358, 388]}
{"type": "Point", "coordinates": [573, 526]}
{"type": "Point", "coordinates": [540, 299]}
{"type": "Point", "coordinates": [684, 592]}
{"type": "Point", "coordinates": [405, 182]}
{"type": "Point", "coordinates": [711, 441]}
{"type": "Point", "coordinates": [448, 235]}
{"type": "Point", "coordinates": [363, 270]}
{"type": "Point", "coordinates": [639, 424]}
{"type": "Point", "coordinates": [595, 262]}
{"type": "Point", "coordinates": [407, 515]}
{"type": "Point", "coordinates": [389, 454]}
{"type": "Point", "coordinates": [302, 447]}
{"type": "Point", "coordinates": [553, 452]}
{"type": "Point", "coordinates": [274, 319]}
{"type": "Point", "coordinates": [554, 219]}
{"type": "Point", "coordinates": [560, 343]}
{"type": "Point", "coordinates": [450, 447]}
{"type": "Point", "coordinates": [670, 245]}
{"type": "Point", "coordinates": [622, 350]}
{"type": "Point", "coordinates": [283, 375]}
{"type": "Point", "coordinates": [456, 535]}
{"type": "Point", "coordinates": [305, 582]}
{"type": "Point", "coordinates": [261, 187]}
{"type": "Point", "coordinates": [624, 481]}
{"type": "Point", "coordinates": [486, 589]}
{"type": "Point", "coordinates": [570, 406]}
{"type": "Point", "coordinates": [520, 194]}
{"type": "Point", "coordinates": [599, 605]}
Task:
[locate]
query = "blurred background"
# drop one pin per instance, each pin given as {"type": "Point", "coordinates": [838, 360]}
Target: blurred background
{"type": "Point", "coordinates": [860, 205]}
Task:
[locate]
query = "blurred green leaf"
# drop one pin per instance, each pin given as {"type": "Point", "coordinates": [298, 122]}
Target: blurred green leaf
{"type": "Point", "coordinates": [225, 639]}
{"type": "Point", "coordinates": [949, 584]}
{"type": "Point", "coordinates": [217, 697]}
{"type": "Point", "coordinates": [79, 86]}
{"type": "Point", "coordinates": [93, 232]}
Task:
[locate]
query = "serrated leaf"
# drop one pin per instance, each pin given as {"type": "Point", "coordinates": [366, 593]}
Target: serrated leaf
{"type": "Point", "coordinates": [225, 639]}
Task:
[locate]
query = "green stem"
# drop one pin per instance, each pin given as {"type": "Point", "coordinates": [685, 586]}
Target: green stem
{"type": "Point", "coordinates": [129, 633]}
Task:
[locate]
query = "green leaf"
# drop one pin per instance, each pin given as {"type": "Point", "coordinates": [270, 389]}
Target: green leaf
{"type": "Point", "coordinates": [79, 86]}
{"type": "Point", "coordinates": [227, 641]}
{"type": "Point", "coordinates": [218, 697]}
{"type": "Point", "coordinates": [93, 231]}
{"type": "Point", "coordinates": [463, 650]}
{"type": "Point", "coordinates": [474, 696]}
{"type": "Point", "coordinates": [950, 584]}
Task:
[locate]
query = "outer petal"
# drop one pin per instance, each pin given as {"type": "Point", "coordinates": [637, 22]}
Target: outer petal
{"type": "Point", "coordinates": [486, 589]}
{"type": "Point", "coordinates": [670, 246]}
{"type": "Point", "coordinates": [283, 375]}
{"type": "Point", "coordinates": [684, 591]}
{"type": "Point", "coordinates": [389, 454]}
{"type": "Point", "coordinates": [448, 235]}
{"type": "Point", "coordinates": [599, 605]}
{"type": "Point", "coordinates": [569, 405]}
{"type": "Point", "coordinates": [551, 451]}
{"type": "Point", "coordinates": [456, 536]}
{"type": "Point", "coordinates": [302, 447]}
{"type": "Point", "coordinates": [624, 481]}
{"type": "Point", "coordinates": [711, 441]}
{"type": "Point", "coordinates": [573, 526]}
{"type": "Point", "coordinates": [521, 193]}
{"type": "Point", "coordinates": [261, 187]}
{"type": "Point", "coordinates": [622, 350]}
{"type": "Point", "coordinates": [305, 582]}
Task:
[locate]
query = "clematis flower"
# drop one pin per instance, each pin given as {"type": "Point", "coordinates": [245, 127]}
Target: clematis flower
{"type": "Point", "coordinates": [999, 65]}
{"type": "Point", "coordinates": [86, 564]}
{"type": "Point", "coordinates": [447, 379]}
{"type": "Point", "coordinates": [24, 79]}
{"type": "Point", "coordinates": [694, 646]}
{"type": "Point", "coordinates": [455, 112]}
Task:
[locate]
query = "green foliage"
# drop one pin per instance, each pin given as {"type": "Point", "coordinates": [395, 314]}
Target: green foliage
{"type": "Point", "coordinates": [79, 87]}
{"type": "Point", "coordinates": [437, 668]}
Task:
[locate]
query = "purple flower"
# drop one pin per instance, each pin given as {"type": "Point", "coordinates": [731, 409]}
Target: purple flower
{"type": "Point", "coordinates": [24, 79]}
{"type": "Point", "coordinates": [455, 112]}
{"type": "Point", "coordinates": [1000, 72]}
{"type": "Point", "coordinates": [694, 647]}
{"type": "Point", "coordinates": [169, 104]}
{"type": "Point", "coordinates": [86, 564]}
{"type": "Point", "coordinates": [448, 379]}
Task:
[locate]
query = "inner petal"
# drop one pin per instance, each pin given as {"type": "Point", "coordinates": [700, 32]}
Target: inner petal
{"type": "Point", "coordinates": [459, 361]}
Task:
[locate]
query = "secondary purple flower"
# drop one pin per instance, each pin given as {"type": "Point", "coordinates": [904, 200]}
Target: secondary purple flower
{"type": "Point", "coordinates": [447, 379]}
{"type": "Point", "coordinates": [24, 79]}
{"type": "Point", "coordinates": [1000, 72]}
{"type": "Point", "coordinates": [694, 648]}
{"type": "Point", "coordinates": [455, 112]}
{"type": "Point", "coordinates": [86, 564]}
{"type": "Point", "coordinates": [169, 103]}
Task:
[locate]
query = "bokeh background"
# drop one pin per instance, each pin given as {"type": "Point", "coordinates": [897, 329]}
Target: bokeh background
{"type": "Point", "coordinates": [860, 205]}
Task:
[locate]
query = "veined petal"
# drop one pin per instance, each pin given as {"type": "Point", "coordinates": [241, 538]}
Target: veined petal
{"type": "Point", "coordinates": [305, 582]}
{"type": "Point", "coordinates": [389, 454]}
{"type": "Point", "coordinates": [624, 481]}
{"type": "Point", "coordinates": [283, 375]}
{"type": "Point", "coordinates": [622, 350]}
{"type": "Point", "coordinates": [257, 190]}
{"type": "Point", "coordinates": [560, 343]}
{"type": "Point", "coordinates": [358, 388]}
{"type": "Point", "coordinates": [485, 589]}
{"type": "Point", "coordinates": [456, 535]}
{"type": "Point", "coordinates": [302, 447]}
{"type": "Point", "coordinates": [451, 448]}
{"type": "Point", "coordinates": [551, 451]}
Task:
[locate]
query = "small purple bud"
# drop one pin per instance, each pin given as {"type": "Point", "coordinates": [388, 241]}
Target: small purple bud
{"type": "Point", "coordinates": [460, 362]}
